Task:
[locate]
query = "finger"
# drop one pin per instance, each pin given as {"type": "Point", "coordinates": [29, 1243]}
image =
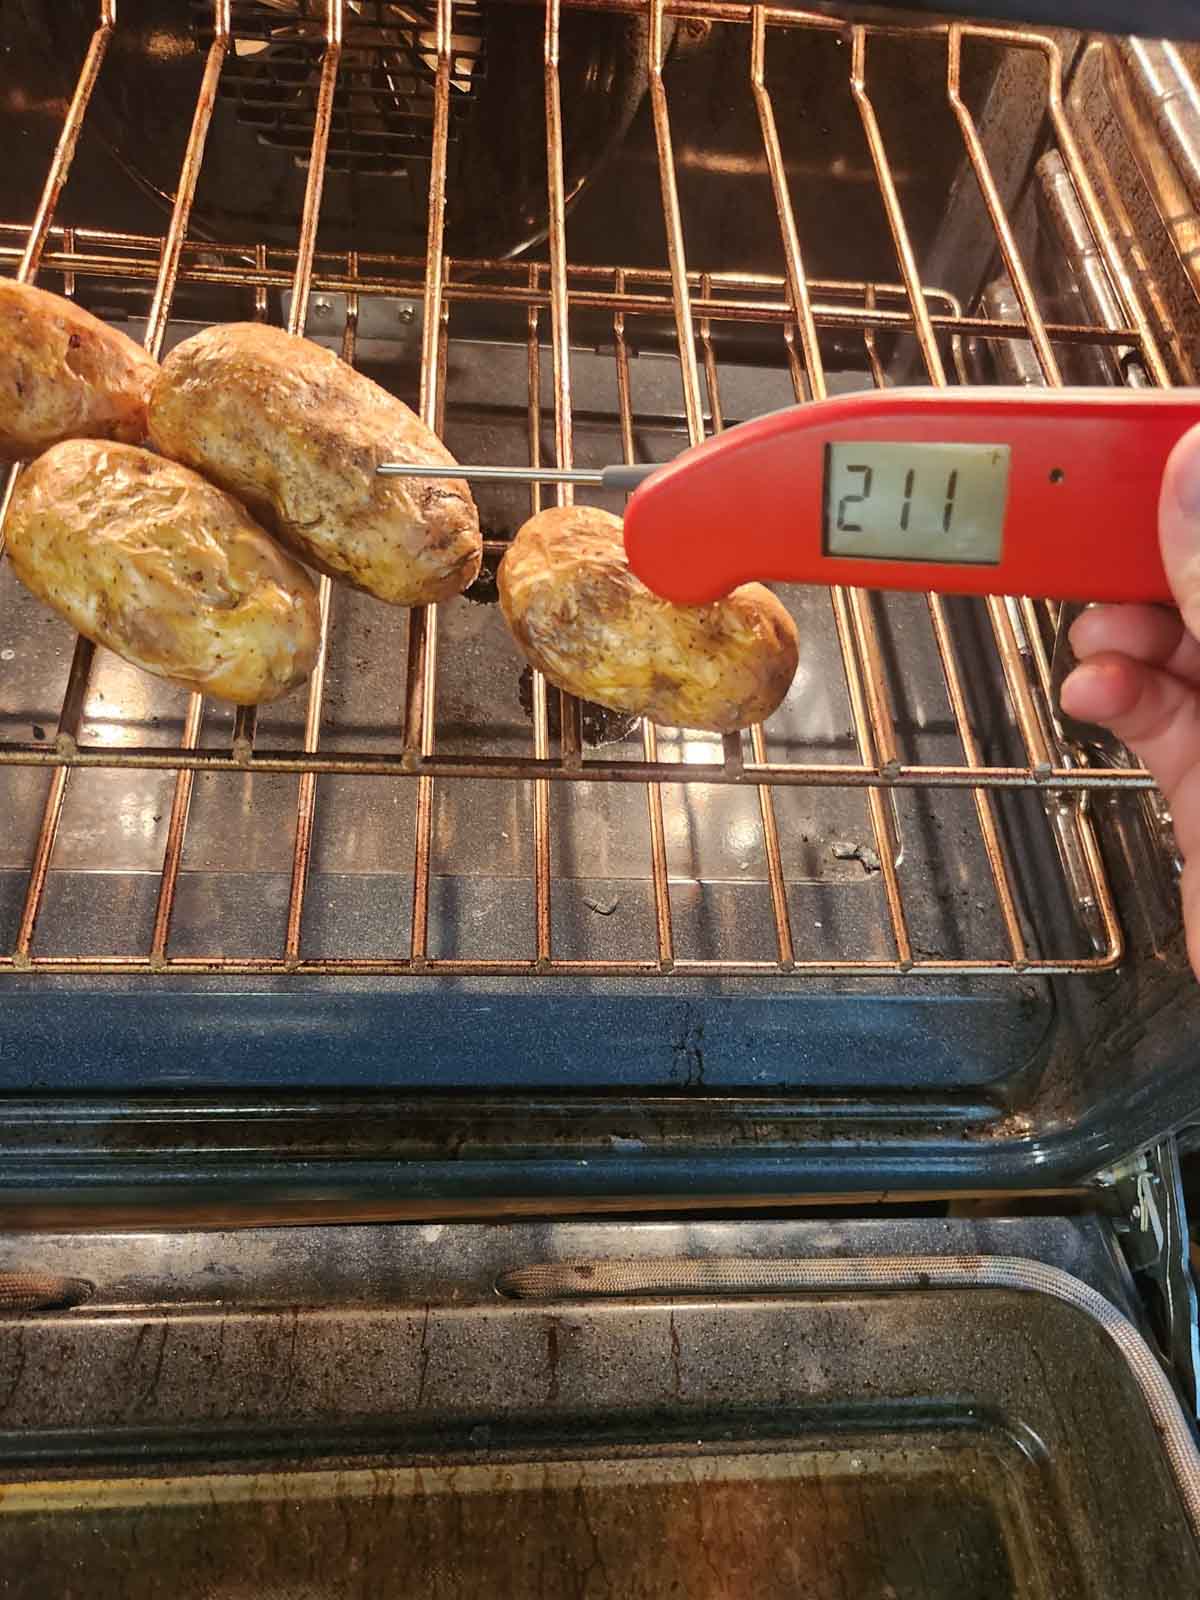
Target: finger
{"type": "Point", "coordinates": [1153, 634]}
{"type": "Point", "coordinates": [1154, 713]}
{"type": "Point", "coordinates": [1179, 526]}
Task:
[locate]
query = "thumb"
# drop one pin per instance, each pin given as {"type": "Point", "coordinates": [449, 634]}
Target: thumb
{"type": "Point", "coordinates": [1179, 527]}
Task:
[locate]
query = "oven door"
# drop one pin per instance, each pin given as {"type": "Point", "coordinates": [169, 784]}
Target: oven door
{"type": "Point", "coordinates": [917, 1408]}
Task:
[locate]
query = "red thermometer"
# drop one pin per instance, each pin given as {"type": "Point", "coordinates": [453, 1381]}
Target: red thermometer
{"type": "Point", "coordinates": [968, 491]}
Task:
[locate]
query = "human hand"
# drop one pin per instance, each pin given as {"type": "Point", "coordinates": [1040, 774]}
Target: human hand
{"type": "Point", "coordinates": [1139, 672]}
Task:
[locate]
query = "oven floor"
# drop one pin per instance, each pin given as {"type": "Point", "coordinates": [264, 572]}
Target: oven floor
{"type": "Point", "coordinates": [237, 861]}
{"type": "Point", "coordinates": [950, 1030]}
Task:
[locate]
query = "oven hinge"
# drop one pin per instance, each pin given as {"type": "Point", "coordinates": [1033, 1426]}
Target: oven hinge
{"type": "Point", "coordinates": [1152, 1226]}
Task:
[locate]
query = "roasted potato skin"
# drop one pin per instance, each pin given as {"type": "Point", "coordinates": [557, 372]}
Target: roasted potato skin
{"type": "Point", "coordinates": [297, 434]}
{"type": "Point", "coordinates": [143, 556]}
{"type": "Point", "coordinates": [583, 618]}
{"type": "Point", "coordinates": [64, 374]}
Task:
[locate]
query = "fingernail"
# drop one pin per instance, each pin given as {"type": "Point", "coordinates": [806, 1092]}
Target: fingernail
{"type": "Point", "coordinates": [1078, 631]}
{"type": "Point", "coordinates": [1076, 686]}
{"type": "Point", "coordinates": [1184, 473]}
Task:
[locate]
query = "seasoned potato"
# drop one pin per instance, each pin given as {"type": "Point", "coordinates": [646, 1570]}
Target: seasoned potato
{"type": "Point", "coordinates": [65, 375]}
{"type": "Point", "coordinates": [297, 434]}
{"type": "Point", "coordinates": [584, 619]}
{"type": "Point", "coordinates": [143, 556]}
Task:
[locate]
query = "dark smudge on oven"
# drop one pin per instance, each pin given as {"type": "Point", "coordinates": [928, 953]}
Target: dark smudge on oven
{"type": "Point", "coordinates": [600, 726]}
{"type": "Point", "coordinates": [484, 591]}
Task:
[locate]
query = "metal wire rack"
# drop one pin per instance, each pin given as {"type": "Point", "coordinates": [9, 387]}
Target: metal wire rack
{"type": "Point", "coordinates": [793, 309]}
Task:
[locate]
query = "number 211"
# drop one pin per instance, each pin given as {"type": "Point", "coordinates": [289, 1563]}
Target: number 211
{"type": "Point", "coordinates": [910, 479]}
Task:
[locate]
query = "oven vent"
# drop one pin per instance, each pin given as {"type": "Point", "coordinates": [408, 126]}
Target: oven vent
{"type": "Point", "coordinates": [383, 107]}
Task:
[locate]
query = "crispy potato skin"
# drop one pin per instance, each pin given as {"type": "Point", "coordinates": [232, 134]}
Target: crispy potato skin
{"type": "Point", "coordinates": [64, 374]}
{"type": "Point", "coordinates": [296, 434]}
{"type": "Point", "coordinates": [584, 619]}
{"type": "Point", "coordinates": [145, 557]}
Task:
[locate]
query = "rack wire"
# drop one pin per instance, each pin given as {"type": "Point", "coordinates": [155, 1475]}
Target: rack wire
{"type": "Point", "coordinates": [794, 309]}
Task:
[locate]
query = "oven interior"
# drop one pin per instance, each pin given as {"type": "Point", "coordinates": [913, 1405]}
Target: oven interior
{"type": "Point", "coordinates": [914, 929]}
{"type": "Point", "coordinates": [430, 941]}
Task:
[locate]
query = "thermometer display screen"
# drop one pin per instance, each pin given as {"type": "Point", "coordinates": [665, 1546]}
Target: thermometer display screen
{"type": "Point", "coordinates": [916, 502]}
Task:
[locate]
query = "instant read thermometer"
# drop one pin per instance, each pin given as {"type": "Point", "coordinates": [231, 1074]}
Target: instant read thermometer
{"type": "Point", "coordinates": [1049, 493]}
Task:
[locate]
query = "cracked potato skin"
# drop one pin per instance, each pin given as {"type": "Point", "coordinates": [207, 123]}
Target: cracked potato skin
{"type": "Point", "coordinates": [581, 616]}
{"type": "Point", "coordinates": [296, 434]}
{"type": "Point", "coordinates": [64, 374]}
{"type": "Point", "coordinates": [143, 556]}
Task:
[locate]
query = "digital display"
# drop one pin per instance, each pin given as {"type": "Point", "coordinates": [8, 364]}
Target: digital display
{"type": "Point", "coordinates": [916, 502]}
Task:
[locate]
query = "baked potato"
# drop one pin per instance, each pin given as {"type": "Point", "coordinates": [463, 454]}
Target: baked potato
{"type": "Point", "coordinates": [583, 618]}
{"type": "Point", "coordinates": [64, 374]}
{"type": "Point", "coordinates": [296, 434]}
{"type": "Point", "coordinates": [145, 557]}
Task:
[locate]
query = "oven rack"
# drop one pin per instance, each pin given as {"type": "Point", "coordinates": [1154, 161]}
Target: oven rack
{"type": "Point", "coordinates": [795, 310]}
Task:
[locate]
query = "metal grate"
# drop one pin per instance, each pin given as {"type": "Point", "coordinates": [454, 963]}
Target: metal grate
{"type": "Point", "coordinates": [384, 100]}
{"type": "Point", "coordinates": [415, 753]}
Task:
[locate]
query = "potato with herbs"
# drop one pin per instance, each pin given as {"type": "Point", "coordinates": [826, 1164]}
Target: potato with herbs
{"type": "Point", "coordinates": [146, 558]}
{"type": "Point", "coordinates": [64, 374]}
{"type": "Point", "coordinates": [297, 434]}
{"type": "Point", "coordinates": [583, 618]}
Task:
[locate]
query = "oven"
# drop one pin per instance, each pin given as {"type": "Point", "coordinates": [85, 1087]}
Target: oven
{"type": "Point", "coordinates": [454, 1131]}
